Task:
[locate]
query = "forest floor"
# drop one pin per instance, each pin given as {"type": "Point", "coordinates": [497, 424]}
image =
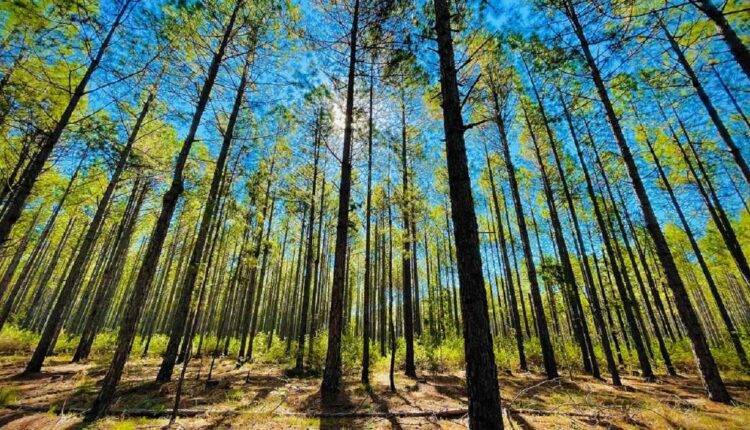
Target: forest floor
{"type": "Point", "coordinates": [270, 399]}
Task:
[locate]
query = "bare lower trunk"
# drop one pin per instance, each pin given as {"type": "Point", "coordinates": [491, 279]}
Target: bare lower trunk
{"type": "Point", "coordinates": [138, 296]}
{"type": "Point", "coordinates": [331, 384]}
{"type": "Point", "coordinates": [481, 371]}
{"type": "Point", "coordinates": [704, 359]}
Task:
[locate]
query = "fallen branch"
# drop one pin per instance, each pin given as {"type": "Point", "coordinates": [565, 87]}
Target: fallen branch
{"type": "Point", "coordinates": [445, 414]}
{"type": "Point", "coordinates": [145, 413]}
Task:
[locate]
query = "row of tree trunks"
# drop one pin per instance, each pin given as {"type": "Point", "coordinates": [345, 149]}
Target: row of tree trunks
{"type": "Point", "coordinates": [704, 359]}
{"type": "Point", "coordinates": [147, 270]}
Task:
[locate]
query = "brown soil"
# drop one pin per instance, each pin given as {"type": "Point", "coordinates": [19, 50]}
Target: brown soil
{"type": "Point", "coordinates": [269, 399]}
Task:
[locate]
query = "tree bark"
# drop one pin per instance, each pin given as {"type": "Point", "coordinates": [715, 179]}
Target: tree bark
{"type": "Point", "coordinates": [139, 294]}
{"type": "Point", "coordinates": [712, 113]}
{"type": "Point", "coordinates": [595, 308]}
{"type": "Point", "coordinates": [548, 355]}
{"type": "Point", "coordinates": [627, 304]}
{"type": "Point", "coordinates": [580, 329]}
{"type": "Point", "coordinates": [481, 371]}
{"type": "Point", "coordinates": [514, 316]}
{"type": "Point", "coordinates": [100, 303]}
{"type": "Point", "coordinates": [705, 361]}
{"type": "Point", "coordinates": [309, 255]}
{"type": "Point", "coordinates": [406, 266]}
{"type": "Point", "coordinates": [34, 168]}
{"type": "Point", "coordinates": [365, 375]}
{"type": "Point", "coordinates": [331, 384]}
{"type": "Point", "coordinates": [180, 316]}
{"type": "Point", "coordinates": [77, 271]}
{"type": "Point", "coordinates": [733, 333]}
{"type": "Point", "coordinates": [736, 47]}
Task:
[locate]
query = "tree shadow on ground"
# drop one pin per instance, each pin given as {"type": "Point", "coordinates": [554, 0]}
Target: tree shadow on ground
{"type": "Point", "coordinates": [382, 406]}
{"type": "Point", "coordinates": [450, 386]}
{"type": "Point", "coordinates": [515, 417]}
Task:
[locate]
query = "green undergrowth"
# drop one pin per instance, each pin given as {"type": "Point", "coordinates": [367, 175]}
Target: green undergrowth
{"type": "Point", "coordinates": [432, 355]}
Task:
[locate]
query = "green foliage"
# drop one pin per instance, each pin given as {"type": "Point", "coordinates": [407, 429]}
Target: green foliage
{"type": "Point", "coordinates": [438, 356]}
{"type": "Point", "coordinates": [8, 395]}
{"type": "Point", "coordinates": [16, 341]}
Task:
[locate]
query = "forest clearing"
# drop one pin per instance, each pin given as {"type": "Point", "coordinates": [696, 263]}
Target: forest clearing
{"type": "Point", "coordinates": [374, 214]}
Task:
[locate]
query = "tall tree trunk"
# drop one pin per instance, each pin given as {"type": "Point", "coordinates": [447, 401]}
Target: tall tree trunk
{"type": "Point", "coordinates": [9, 182]}
{"type": "Point", "coordinates": [310, 253]}
{"type": "Point", "coordinates": [715, 208]}
{"type": "Point", "coordinates": [32, 259]}
{"type": "Point", "coordinates": [391, 328]}
{"type": "Point", "coordinates": [580, 329]}
{"type": "Point", "coordinates": [139, 294]}
{"type": "Point", "coordinates": [383, 308]}
{"type": "Point", "coordinates": [639, 280]}
{"type": "Point", "coordinates": [481, 371]}
{"type": "Point", "coordinates": [595, 308]}
{"type": "Point", "coordinates": [331, 384]}
{"type": "Point", "coordinates": [548, 355]}
{"type": "Point", "coordinates": [731, 96]}
{"type": "Point", "coordinates": [100, 303]}
{"type": "Point", "coordinates": [733, 333]}
{"type": "Point", "coordinates": [319, 266]}
{"type": "Point", "coordinates": [627, 304]}
{"type": "Point", "coordinates": [36, 164]}
{"type": "Point", "coordinates": [406, 266]}
{"type": "Point", "coordinates": [77, 271]}
{"type": "Point", "coordinates": [365, 376]}
{"type": "Point", "coordinates": [254, 318]}
{"type": "Point", "coordinates": [736, 47]}
{"type": "Point", "coordinates": [180, 316]}
{"type": "Point", "coordinates": [515, 318]}
{"type": "Point", "coordinates": [415, 273]}
{"type": "Point", "coordinates": [35, 308]}
{"type": "Point", "coordinates": [705, 361]}
{"type": "Point", "coordinates": [712, 113]}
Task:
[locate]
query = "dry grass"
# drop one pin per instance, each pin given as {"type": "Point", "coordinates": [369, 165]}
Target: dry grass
{"type": "Point", "coordinates": [272, 400]}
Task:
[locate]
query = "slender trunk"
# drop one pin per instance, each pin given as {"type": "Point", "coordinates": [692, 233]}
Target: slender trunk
{"type": "Point", "coordinates": [180, 316]}
{"type": "Point", "coordinates": [580, 329]}
{"type": "Point", "coordinates": [609, 247]}
{"type": "Point", "coordinates": [365, 376]}
{"type": "Point", "coordinates": [596, 310]}
{"type": "Point", "coordinates": [406, 266]}
{"type": "Point", "coordinates": [36, 164]}
{"type": "Point", "coordinates": [706, 101]}
{"type": "Point", "coordinates": [260, 283]}
{"type": "Point", "coordinates": [34, 308]}
{"type": "Point", "coordinates": [146, 272]}
{"type": "Point", "coordinates": [736, 47]}
{"type": "Point", "coordinates": [383, 308]}
{"type": "Point", "coordinates": [391, 328]}
{"type": "Point", "coordinates": [23, 243]}
{"type": "Point", "coordinates": [9, 182]}
{"type": "Point", "coordinates": [715, 208]}
{"type": "Point", "coordinates": [331, 384]}
{"type": "Point", "coordinates": [77, 272]}
{"type": "Point", "coordinates": [733, 333]}
{"type": "Point", "coordinates": [515, 318]}
{"type": "Point", "coordinates": [731, 96]}
{"type": "Point", "coordinates": [481, 371]}
{"type": "Point", "coordinates": [548, 355]}
{"type": "Point", "coordinates": [100, 303]}
{"type": "Point", "coordinates": [299, 367]}
{"type": "Point", "coordinates": [704, 359]}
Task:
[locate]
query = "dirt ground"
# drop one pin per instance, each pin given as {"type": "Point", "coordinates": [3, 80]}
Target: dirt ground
{"type": "Point", "coordinates": [262, 396]}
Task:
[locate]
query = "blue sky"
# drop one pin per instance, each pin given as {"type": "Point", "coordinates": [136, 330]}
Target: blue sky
{"type": "Point", "coordinates": [283, 76]}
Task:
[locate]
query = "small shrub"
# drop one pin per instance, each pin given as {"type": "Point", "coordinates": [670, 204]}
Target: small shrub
{"type": "Point", "coordinates": [8, 395]}
{"type": "Point", "coordinates": [16, 341]}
